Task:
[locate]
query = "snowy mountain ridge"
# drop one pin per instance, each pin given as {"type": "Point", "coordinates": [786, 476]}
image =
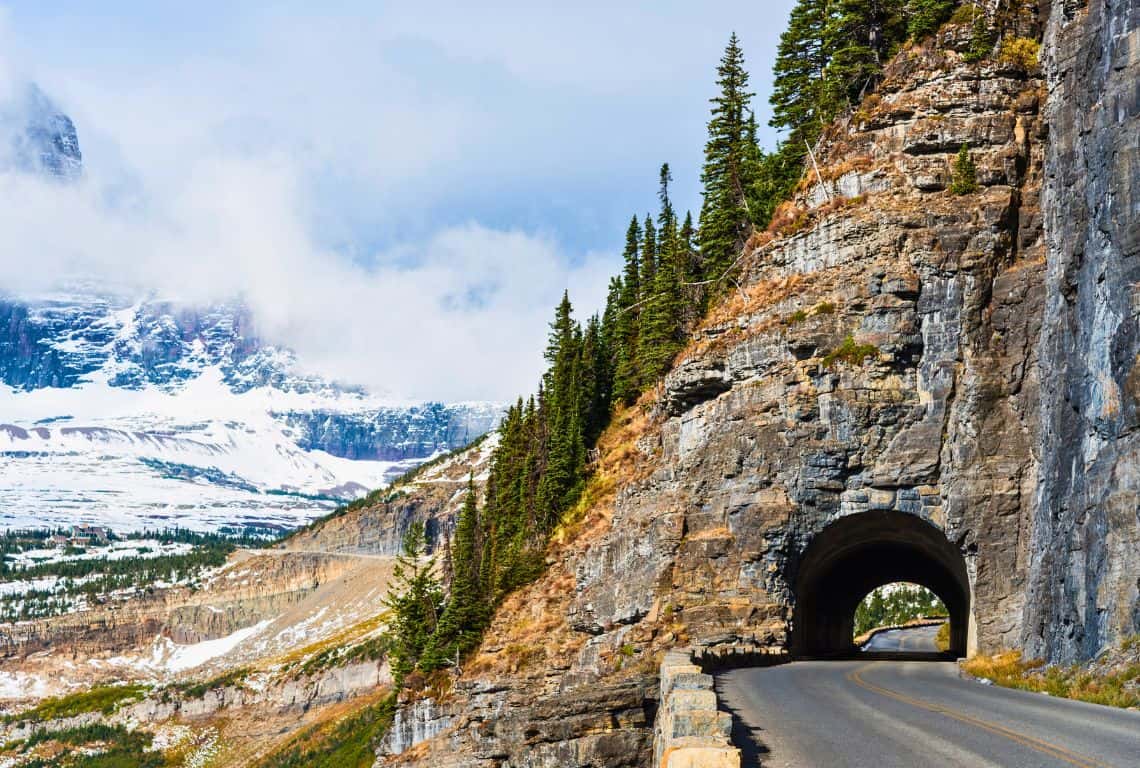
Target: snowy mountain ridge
{"type": "Point", "coordinates": [152, 414]}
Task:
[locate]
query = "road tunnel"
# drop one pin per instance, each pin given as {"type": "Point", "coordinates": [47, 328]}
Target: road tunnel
{"type": "Point", "coordinates": [858, 553]}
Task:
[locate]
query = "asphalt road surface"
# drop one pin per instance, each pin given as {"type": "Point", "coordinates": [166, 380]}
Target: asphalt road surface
{"type": "Point", "coordinates": [904, 714]}
{"type": "Point", "coordinates": [917, 640]}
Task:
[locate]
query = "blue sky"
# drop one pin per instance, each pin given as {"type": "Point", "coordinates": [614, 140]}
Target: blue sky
{"type": "Point", "coordinates": [392, 127]}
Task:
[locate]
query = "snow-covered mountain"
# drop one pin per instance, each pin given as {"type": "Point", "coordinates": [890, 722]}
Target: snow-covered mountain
{"type": "Point", "coordinates": [149, 413]}
{"type": "Point", "coordinates": [152, 413]}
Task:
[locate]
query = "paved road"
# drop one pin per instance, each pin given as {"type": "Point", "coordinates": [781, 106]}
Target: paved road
{"type": "Point", "coordinates": [885, 714]}
{"type": "Point", "coordinates": [917, 640]}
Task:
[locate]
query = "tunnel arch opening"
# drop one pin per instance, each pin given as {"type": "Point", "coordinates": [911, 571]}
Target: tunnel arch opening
{"type": "Point", "coordinates": [856, 554]}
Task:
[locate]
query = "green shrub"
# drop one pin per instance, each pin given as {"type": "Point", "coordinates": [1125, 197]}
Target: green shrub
{"type": "Point", "coordinates": [850, 353]}
{"type": "Point", "coordinates": [926, 16]}
{"type": "Point", "coordinates": [964, 14]}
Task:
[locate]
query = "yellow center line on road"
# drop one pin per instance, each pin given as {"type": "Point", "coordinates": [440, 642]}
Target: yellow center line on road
{"type": "Point", "coordinates": [1024, 739]}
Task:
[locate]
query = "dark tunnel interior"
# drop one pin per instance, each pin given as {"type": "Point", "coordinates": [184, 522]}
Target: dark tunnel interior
{"type": "Point", "coordinates": [858, 553]}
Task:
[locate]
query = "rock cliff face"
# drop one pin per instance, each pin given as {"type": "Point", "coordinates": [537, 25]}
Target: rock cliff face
{"type": "Point", "coordinates": [910, 385]}
{"type": "Point", "coordinates": [1085, 577]}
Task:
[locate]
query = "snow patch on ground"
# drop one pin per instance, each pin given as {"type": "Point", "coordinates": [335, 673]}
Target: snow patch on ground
{"type": "Point", "coordinates": [19, 686]}
{"type": "Point", "coordinates": [166, 656]}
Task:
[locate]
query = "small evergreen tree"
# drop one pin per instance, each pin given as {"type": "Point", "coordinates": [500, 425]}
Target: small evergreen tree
{"type": "Point", "coordinates": [965, 176]}
{"type": "Point", "coordinates": [415, 599]}
{"type": "Point", "coordinates": [625, 316]}
{"type": "Point", "coordinates": [981, 37]}
{"type": "Point", "coordinates": [648, 257]}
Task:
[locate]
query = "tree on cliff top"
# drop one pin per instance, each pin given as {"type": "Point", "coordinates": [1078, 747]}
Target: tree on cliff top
{"type": "Point", "coordinates": [725, 223]}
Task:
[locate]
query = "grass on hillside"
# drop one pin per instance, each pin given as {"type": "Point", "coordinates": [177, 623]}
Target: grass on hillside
{"type": "Point", "coordinates": [345, 743]}
{"type": "Point", "coordinates": [103, 699]}
{"type": "Point", "coordinates": [1115, 687]}
{"type": "Point", "coordinates": [850, 353]}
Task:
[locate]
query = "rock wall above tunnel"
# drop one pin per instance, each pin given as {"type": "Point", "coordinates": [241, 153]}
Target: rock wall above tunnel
{"type": "Point", "coordinates": [884, 358]}
{"type": "Point", "coordinates": [1085, 577]}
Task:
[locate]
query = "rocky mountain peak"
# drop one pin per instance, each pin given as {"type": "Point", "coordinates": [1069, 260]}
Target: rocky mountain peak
{"type": "Point", "coordinates": [39, 137]}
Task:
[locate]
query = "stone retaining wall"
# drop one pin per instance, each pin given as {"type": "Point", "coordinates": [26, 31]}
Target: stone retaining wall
{"type": "Point", "coordinates": [690, 731]}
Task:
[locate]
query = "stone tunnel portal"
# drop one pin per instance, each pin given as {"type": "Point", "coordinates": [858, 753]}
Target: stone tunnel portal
{"type": "Point", "coordinates": [855, 554]}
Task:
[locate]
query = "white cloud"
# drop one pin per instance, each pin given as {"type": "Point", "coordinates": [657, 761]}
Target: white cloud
{"type": "Point", "coordinates": [466, 321]}
{"type": "Point", "coordinates": [480, 146]}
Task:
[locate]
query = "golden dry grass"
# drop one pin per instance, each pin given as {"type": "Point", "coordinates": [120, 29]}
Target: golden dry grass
{"type": "Point", "coordinates": [1111, 687]}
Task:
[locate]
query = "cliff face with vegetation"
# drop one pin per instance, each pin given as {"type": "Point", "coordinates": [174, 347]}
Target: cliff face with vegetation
{"type": "Point", "coordinates": [898, 349]}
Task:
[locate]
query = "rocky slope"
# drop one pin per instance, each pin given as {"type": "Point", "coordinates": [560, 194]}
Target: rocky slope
{"type": "Point", "coordinates": [951, 364]}
{"type": "Point", "coordinates": [433, 496]}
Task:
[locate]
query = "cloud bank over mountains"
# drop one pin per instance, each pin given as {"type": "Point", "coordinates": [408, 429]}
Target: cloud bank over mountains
{"type": "Point", "coordinates": [400, 197]}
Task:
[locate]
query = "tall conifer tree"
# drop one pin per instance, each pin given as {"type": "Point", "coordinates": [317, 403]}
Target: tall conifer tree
{"type": "Point", "coordinates": [415, 600]}
{"type": "Point", "coordinates": [797, 90]}
{"type": "Point", "coordinates": [626, 379]}
{"type": "Point", "coordinates": [660, 336]}
{"type": "Point", "coordinates": [468, 608]}
{"type": "Point", "coordinates": [859, 36]}
{"type": "Point", "coordinates": [725, 223]}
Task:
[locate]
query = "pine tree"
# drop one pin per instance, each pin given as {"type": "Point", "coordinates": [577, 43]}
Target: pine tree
{"type": "Point", "coordinates": [415, 599]}
{"type": "Point", "coordinates": [466, 611]}
{"type": "Point", "coordinates": [626, 386]}
{"type": "Point", "coordinates": [594, 390]}
{"type": "Point", "coordinates": [691, 273]}
{"type": "Point", "coordinates": [565, 447]}
{"type": "Point", "coordinates": [660, 336]}
{"type": "Point", "coordinates": [648, 257]}
{"type": "Point", "coordinates": [797, 90]}
{"type": "Point", "coordinates": [924, 17]}
{"type": "Point", "coordinates": [981, 37]}
{"type": "Point", "coordinates": [859, 36]}
{"type": "Point", "coordinates": [965, 177]}
{"type": "Point", "coordinates": [725, 223]}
